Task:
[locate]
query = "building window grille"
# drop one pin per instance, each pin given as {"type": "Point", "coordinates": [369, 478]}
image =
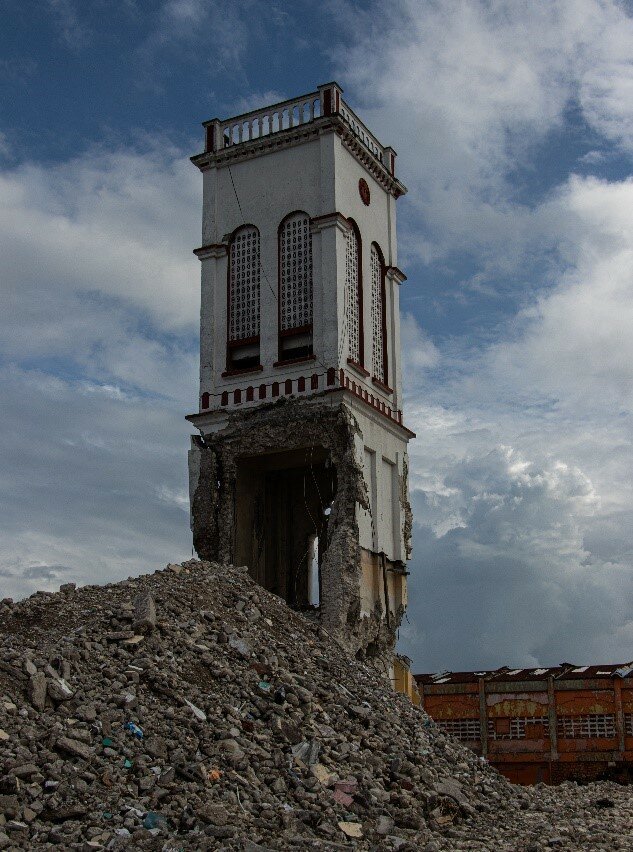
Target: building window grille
{"type": "Point", "coordinates": [378, 318]}
{"type": "Point", "coordinates": [531, 727]}
{"type": "Point", "coordinates": [353, 304]}
{"type": "Point", "coordinates": [461, 729]}
{"type": "Point", "coordinates": [295, 287]}
{"type": "Point", "coordinates": [589, 726]}
{"type": "Point", "coordinates": [244, 299]}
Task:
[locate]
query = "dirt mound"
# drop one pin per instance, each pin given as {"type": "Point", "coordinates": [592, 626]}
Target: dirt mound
{"type": "Point", "coordinates": [190, 709]}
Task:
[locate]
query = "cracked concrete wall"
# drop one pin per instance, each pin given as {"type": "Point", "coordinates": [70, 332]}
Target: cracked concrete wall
{"type": "Point", "coordinates": [289, 425]}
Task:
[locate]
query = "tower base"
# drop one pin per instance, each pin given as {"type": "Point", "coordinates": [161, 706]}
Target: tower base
{"type": "Point", "coordinates": [279, 488]}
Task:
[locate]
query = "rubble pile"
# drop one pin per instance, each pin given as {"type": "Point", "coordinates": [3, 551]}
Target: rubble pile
{"type": "Point", "coordinates": [190, 709]}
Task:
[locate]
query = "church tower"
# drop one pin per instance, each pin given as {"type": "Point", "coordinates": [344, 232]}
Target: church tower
{"type": "Point", "coordinates": [299, 470]}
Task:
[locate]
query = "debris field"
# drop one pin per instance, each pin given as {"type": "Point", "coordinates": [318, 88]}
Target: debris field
{"type": "Point", "coordinates": [190, 709]}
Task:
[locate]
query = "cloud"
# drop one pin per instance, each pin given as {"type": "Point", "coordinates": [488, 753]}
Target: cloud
{"type": "Point", "coordinates": [511, 580]}
{"type": "Point", "coordinates": [473, 92]}
{"type": "Point", "coordinates": [183, 26]}
{"type": "Point", "coordinates": [255, 101]}
{"type": "Point", "coordinates": [98, 333]}
{"type": "Point", "coordinates": [73, 32]}
{"type": "Point", "coordinates": [419, 353]}
{"type": "Point", "coordinates": [127, 220]}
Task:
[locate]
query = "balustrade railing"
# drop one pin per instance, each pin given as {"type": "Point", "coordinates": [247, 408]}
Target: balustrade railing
{"type": "Point", "coordinates": [366, 137]}
{"type": "Point", "coordinates": [263, 122]}
{"type": "Point", "coordinates": [292, 113]}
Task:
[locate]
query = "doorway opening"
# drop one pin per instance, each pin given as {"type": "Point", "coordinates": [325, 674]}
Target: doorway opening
{"type": "Point", "coordinates": [281, 521]}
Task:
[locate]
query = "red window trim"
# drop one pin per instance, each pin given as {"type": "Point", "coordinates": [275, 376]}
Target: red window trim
{"type": "Point", "coordinates": [292, 361]}
{"type": "Point", "coordinates": [381, 386]}
{"type": "Point", "coordinates": [358, 368]}
{"type": "Point", "coordinates": [228, 373]}
{"type": "Point", "coordinates": [292, 332]}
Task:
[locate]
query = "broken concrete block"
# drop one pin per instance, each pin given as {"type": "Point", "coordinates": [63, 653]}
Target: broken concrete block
{"type": "Point", "coordinates": [37, 690]}
{"type": "Point", "coordinates": [351, 829]}
{"type": "Point", "coordinates": [58, 689]}
{"type": "Point", "coordinates": [74, 747]}
{"type": "Point", "coordinates": [144, 613]}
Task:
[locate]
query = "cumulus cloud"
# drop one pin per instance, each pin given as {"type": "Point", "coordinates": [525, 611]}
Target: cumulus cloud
{"type": "Point", "coordinates": [98, 334]}
{"type": "Point", "coordinates": [419, 353]}
{"type": "Point", "coordinates": [471, 91]}
{"type": "Point", "coordinates": [511, 579]}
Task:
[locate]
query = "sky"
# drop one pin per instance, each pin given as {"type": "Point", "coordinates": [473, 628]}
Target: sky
{"type": "Point", "coordinates": [513, 123]}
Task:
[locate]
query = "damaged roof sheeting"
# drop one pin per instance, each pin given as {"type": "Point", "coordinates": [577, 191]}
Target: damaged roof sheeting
{"type": "Point", "coordinates": [565, 671]}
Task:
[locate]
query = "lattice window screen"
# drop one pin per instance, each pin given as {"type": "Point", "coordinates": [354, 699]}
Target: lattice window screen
{"type": "Point", "coordinates": [352, 306]}
{"type": "Point", "coordinates": [461, 729]}
{"type": "Point", "coordinates": [296, 272]}
{"type": "Point", "coordinates": [586, 726]}
{"type": "Point", "coordinates": [244, 285]}
{"type": "Point", "coordinates": [518, 728]}
{"type": "Point", "coordinates": [378, 343]}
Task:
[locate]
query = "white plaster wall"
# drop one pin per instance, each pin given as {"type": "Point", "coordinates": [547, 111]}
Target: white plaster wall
{"type": "Point", "coordinates": [269, 187]}
{"type": "Point", "coordinates": [382, 452]}
{"type": "Point", "coordinates": [376, 223]}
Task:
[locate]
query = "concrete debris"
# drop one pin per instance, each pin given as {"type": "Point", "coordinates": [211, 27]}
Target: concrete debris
{"type": "Point", "coordinates": [171, 744]}
{"type": "Point", "coordinates": [37, 690]}
{"type": "Point", "coordinates": [144, 613]}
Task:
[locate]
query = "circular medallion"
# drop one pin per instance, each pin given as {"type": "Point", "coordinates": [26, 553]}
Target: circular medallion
{"type": "Point", "coordinates": [363, 189]}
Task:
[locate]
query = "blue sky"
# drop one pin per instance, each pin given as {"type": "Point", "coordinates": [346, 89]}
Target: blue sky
{"type": "Point", "coordinates": [514, 128]}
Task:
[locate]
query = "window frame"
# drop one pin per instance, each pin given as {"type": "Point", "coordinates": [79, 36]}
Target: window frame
{"type": "Point", "coordinates": [298, 330]}
{"type": "Point", "coordinates": [359, 288]}
{"type": "Point", "coordinates": [377, 380]}
{"type": "Point", "coordinates": [254, 340]}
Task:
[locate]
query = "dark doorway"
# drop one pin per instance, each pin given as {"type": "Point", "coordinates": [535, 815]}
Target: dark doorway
{"type": "Point", "coordinates": [282, 502]}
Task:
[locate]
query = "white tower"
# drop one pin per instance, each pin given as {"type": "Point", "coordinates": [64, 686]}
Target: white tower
{"type": "Point", "coordinates": [300, 469]}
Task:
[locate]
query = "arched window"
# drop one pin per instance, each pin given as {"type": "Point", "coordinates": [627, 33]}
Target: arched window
{"type": "Point", "coordinates": [243, 300]}
{"type": "Point", "coordinates": [378, 317]}
{"type": "Point", "coordinates": [354, 295]}
{"type": "Point", "coordinates": [295, 287]}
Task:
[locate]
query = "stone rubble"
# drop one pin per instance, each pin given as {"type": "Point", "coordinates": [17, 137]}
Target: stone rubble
{"type": "Point", "coordinates": [191, 710]}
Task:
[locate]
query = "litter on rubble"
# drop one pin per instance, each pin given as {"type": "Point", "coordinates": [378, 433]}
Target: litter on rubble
{"type": "Point", "coordinates": [197, 712]}
{"type": "Point", "coordinates": [153, 820]}
{"type": "Point", "coordinates": [133, 728]}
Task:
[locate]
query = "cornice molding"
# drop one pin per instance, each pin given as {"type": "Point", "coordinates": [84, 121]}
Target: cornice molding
{"type": "Point", "coordinates": [330, 220]}
{"type": "Point", "coordinates": [299, 135]}
{"type": "Point", "coordinates": [212, 250]}
{"type": "Point", "coordinates": [395, 274]}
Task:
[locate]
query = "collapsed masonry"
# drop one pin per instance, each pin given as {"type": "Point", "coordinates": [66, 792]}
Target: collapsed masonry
{"type": "Point", "coordinates": [291, 516]}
